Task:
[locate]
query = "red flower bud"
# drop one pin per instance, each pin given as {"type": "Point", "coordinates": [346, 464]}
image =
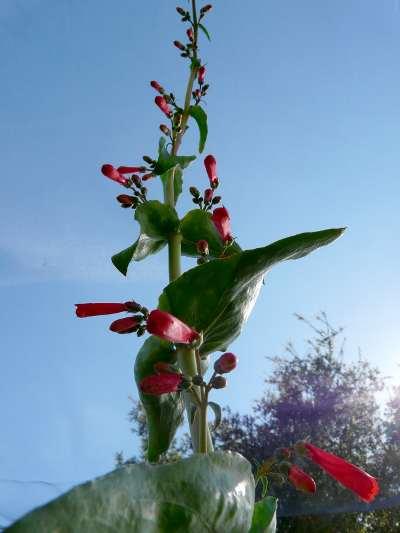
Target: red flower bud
{"type": "Point", "coordinates": [226, 363]}
{"type": "Point", "coordinates": [170, 328]}
{"type": "Point", "coordinates": [125, 200]}
{"type": "Point", "coordinates": [202, 247]}
{"type": "Point", "coordinates": [157, 86]}
{"type": "Point", "coordinates": [211, 168]}
{"type": "Point", "coordinates": [165, 129]}
{"type": "Point", "coordinates": [157, 384]}
{"type": "Point", "coordinates": [301, 480]}
{"type": "Point", "coordinates": [146, 177]}
{"type": "Point", "coordinates": [219, 382]}
{"type": "Point", "coordinates": [189, 33]}
{"type": "Point", "coordinates": [162, 104]}
{"type": "Point", "coordinates": [201, 74]}
{"type": "Point", "coordinates": [349, 475]}
{"type": "Point", "coordinates": [110, 172]}
{"type": "Point", "coordinates": [179, 45]}
{"type": "Point", "coordinates": [208, 195]}
{"type": "Point", "coordinates": [129, 324]}
{"type": "Point", "coordinates": [85, 310]}
{"type": "Point", "coordinates": [130, 170]}
{"type": "Point", "coordinates": [222, 223]}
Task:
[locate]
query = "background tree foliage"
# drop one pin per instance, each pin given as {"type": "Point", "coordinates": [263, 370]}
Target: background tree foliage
{"type": "Point", "coordinates": [320, 397]}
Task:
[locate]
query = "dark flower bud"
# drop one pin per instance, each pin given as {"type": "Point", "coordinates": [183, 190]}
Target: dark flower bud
{"type": "Point", "coordinates": [165, 129]}
{"type": "Point", "coordinates": [181, 11]}
{"type": "Point", "coordinates": [202, 247]}
{"type": "Point", "coordinates": [194, 192]}
{"type": "Point", "coordinates": [125, 200]}
{"type": "Point", "coordinates": [143, 190]}
{"type": "Point", "coordinates": [219, 382]}
{"type": "Point", "coordinates": [189, 33]}
{"type": "Point", "coordinates": [206, 8]}
{"type": "Point", "coordinates": [145, 311]}
{"type": "Point", "coordinates": [133, 306]}
{"type": "Point", "coordinates": [196, 200]}
{"type": "Point", "coordinates": [141, 331]}
{"type": "Point", "coordinates": [148, 160]}
{"type": "Point", "coordinates": [216, 200]}
{"type": "Point", "coordinates": [179, 45]}
{"type": "Point", "coordinates": [146, 177]}
{"type": "Point", "coordinates": [205, 88]}
{"type": "Point", "coordinates": [208, 195]}
{"type": "Point", "coordinates": [136, 180]}
{"type": "Point", "coordinates": [197, 380]}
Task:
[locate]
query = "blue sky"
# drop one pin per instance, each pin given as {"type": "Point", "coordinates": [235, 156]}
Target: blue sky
{"type": "Point", "coordinates": [304, 120]}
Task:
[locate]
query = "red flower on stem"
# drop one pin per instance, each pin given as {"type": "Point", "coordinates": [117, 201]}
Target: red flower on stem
{"type": "Point", "coordinates": [222, 223]}
{"type": "Point", "coordinates": [201, 74]}
{"type": "Point", "coordinates": [226, 363]}
{"type": "Point", "coordinates": [163, 105]}
{"type": "Point", "coordinates": [349, 475]}
{"type": "Point", "coordinates": [113, 174]}
{"type": "Point", "coordinates": [96, 309]}
{"type": "Point", "coordinates": [157, 86]}
{"type": "Point", "coordinates": [157, 384]}
{"type": "Point", "coordinates": [170, 328]}
{"type": "Point", "coordinates": [301, 480]}
{"type": "Point", "coordinates": [129, 324]}
{"type": "Point", "coordinates": [211, 168]}
{"type": "Point", "coordinates": [131, 170]}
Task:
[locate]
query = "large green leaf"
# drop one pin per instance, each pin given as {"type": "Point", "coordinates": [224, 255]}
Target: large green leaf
{"type": "Point", "coordinates": [205, 493]}
{"type": "Point", "coordinates": [197, 225]}
{"type": "Point", "coordinates": [178, 180]}
{"type": "Point", "coordinates": [164, 413]}
{"type": "Point", "coordinates": [218, 297]}
{"type": "Point", "coordinates": [200, 116]}
{"type": "Point", "coordinates": [264, 517]}
{"type": "Point", "coordinates": [157, 220]}
{"type": "Point", "coordinates": [139, 250]}
{"type": "Point", "coordinates": [166, 160]}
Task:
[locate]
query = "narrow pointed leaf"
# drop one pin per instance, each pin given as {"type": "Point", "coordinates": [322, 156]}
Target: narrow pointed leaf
{"type": "Point", "coordinates": [164, 413]}
{"type": "Point", "coordinates": [217, 413]}
{"type": "Point", "coordinates": [139, 250]}
{"type": "Point", "coordinates": [197, 225]}
{"type": "Point", "coordinates": [204, 493]}
{"type": "Point", "coordinates": [200, 116]}
{"type": "Point", "coordinates": [264, 517]}
{"type": "Point", "coordinates": [205, 31]}
{"type": "Point", "coordinates": [166, 160]}
{"type": "Point", "coordinates": [157, 220]}
{"type": "Point", "coordinates": [218, 297]}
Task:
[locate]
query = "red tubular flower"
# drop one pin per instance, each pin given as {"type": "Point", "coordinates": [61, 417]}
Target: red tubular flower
{"type": "Point", "coordinates": [131, 170]}
{"type": "Point", "coordinates": [222, 222]}
{"type": "Point", "coordinates": [349, 475]}
{"type": "Point", "coordinates": [201, 74]}
{"type": "Point", "coordinates": [85, 310]}
{"type": "Point", "coordinates": [189, 33]}
{"type": "Point", "coordinates": [170, 328]}
{"type": "Point", "coordinates": [162, 104]}
{"type": "Point", "coordinates": [128, 324]}
{"type": "Point", "coordinates": [113, 174]}
{"type": "Point", "coordinates": [301, 480]}
{"type": "Point", "coordinates": [211, 168]}
{"type": "Point", "coordinates": [157, 384]}
{"type": "Point", "coordinates": [226, 363]}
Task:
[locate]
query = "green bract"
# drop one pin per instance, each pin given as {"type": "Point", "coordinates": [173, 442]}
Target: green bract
{"type": "Point", "coordinates": [200, 117]}
{"type": "Point", "coordinates": [164, 413]}
{"type": "Point", "coordinates": [264, 517]}
{"type": "Point", "coordinates": [166, 160]}
{"type": "Point", "coordinates": [205, 493]}
{"type": "Point", "coordinates": [217, 297]}
{"type": "Point", "coordinates": [141, 249]}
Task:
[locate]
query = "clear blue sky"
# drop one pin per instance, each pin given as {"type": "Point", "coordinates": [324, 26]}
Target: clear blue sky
{"type": "Point", "coordinates": [304, 118]}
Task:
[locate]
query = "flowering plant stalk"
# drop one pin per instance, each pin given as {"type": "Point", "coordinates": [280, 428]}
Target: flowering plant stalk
{"type": "Point", "coordinates": [199, 312]}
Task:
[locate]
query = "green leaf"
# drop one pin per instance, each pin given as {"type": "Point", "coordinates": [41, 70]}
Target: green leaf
{"type": "Point", "coordinates": [139, 250]}
{"type": "Point", "coordinates": [217, 412]}
{"type": "Point", "coordinates": [178, 181]}
{"type": "Point", "coordinates": [205, 31]}
{"type": "Point", "coordinates": [164, 413]}
{"type": "Point", "coordinates": [264, 517]}
{"type": "Point", "coordinates": [217, 297]}
{"type": "Point", "coordinates": [200, 116]}
{"type": "Point", "coordinates": [203, 494]}
{"type": "Point", "coordinates": [166, 160]}
{"type": "Point", "coordinates": [157, 220]}
{"type": "Point", "coordinates": [197, 225]}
